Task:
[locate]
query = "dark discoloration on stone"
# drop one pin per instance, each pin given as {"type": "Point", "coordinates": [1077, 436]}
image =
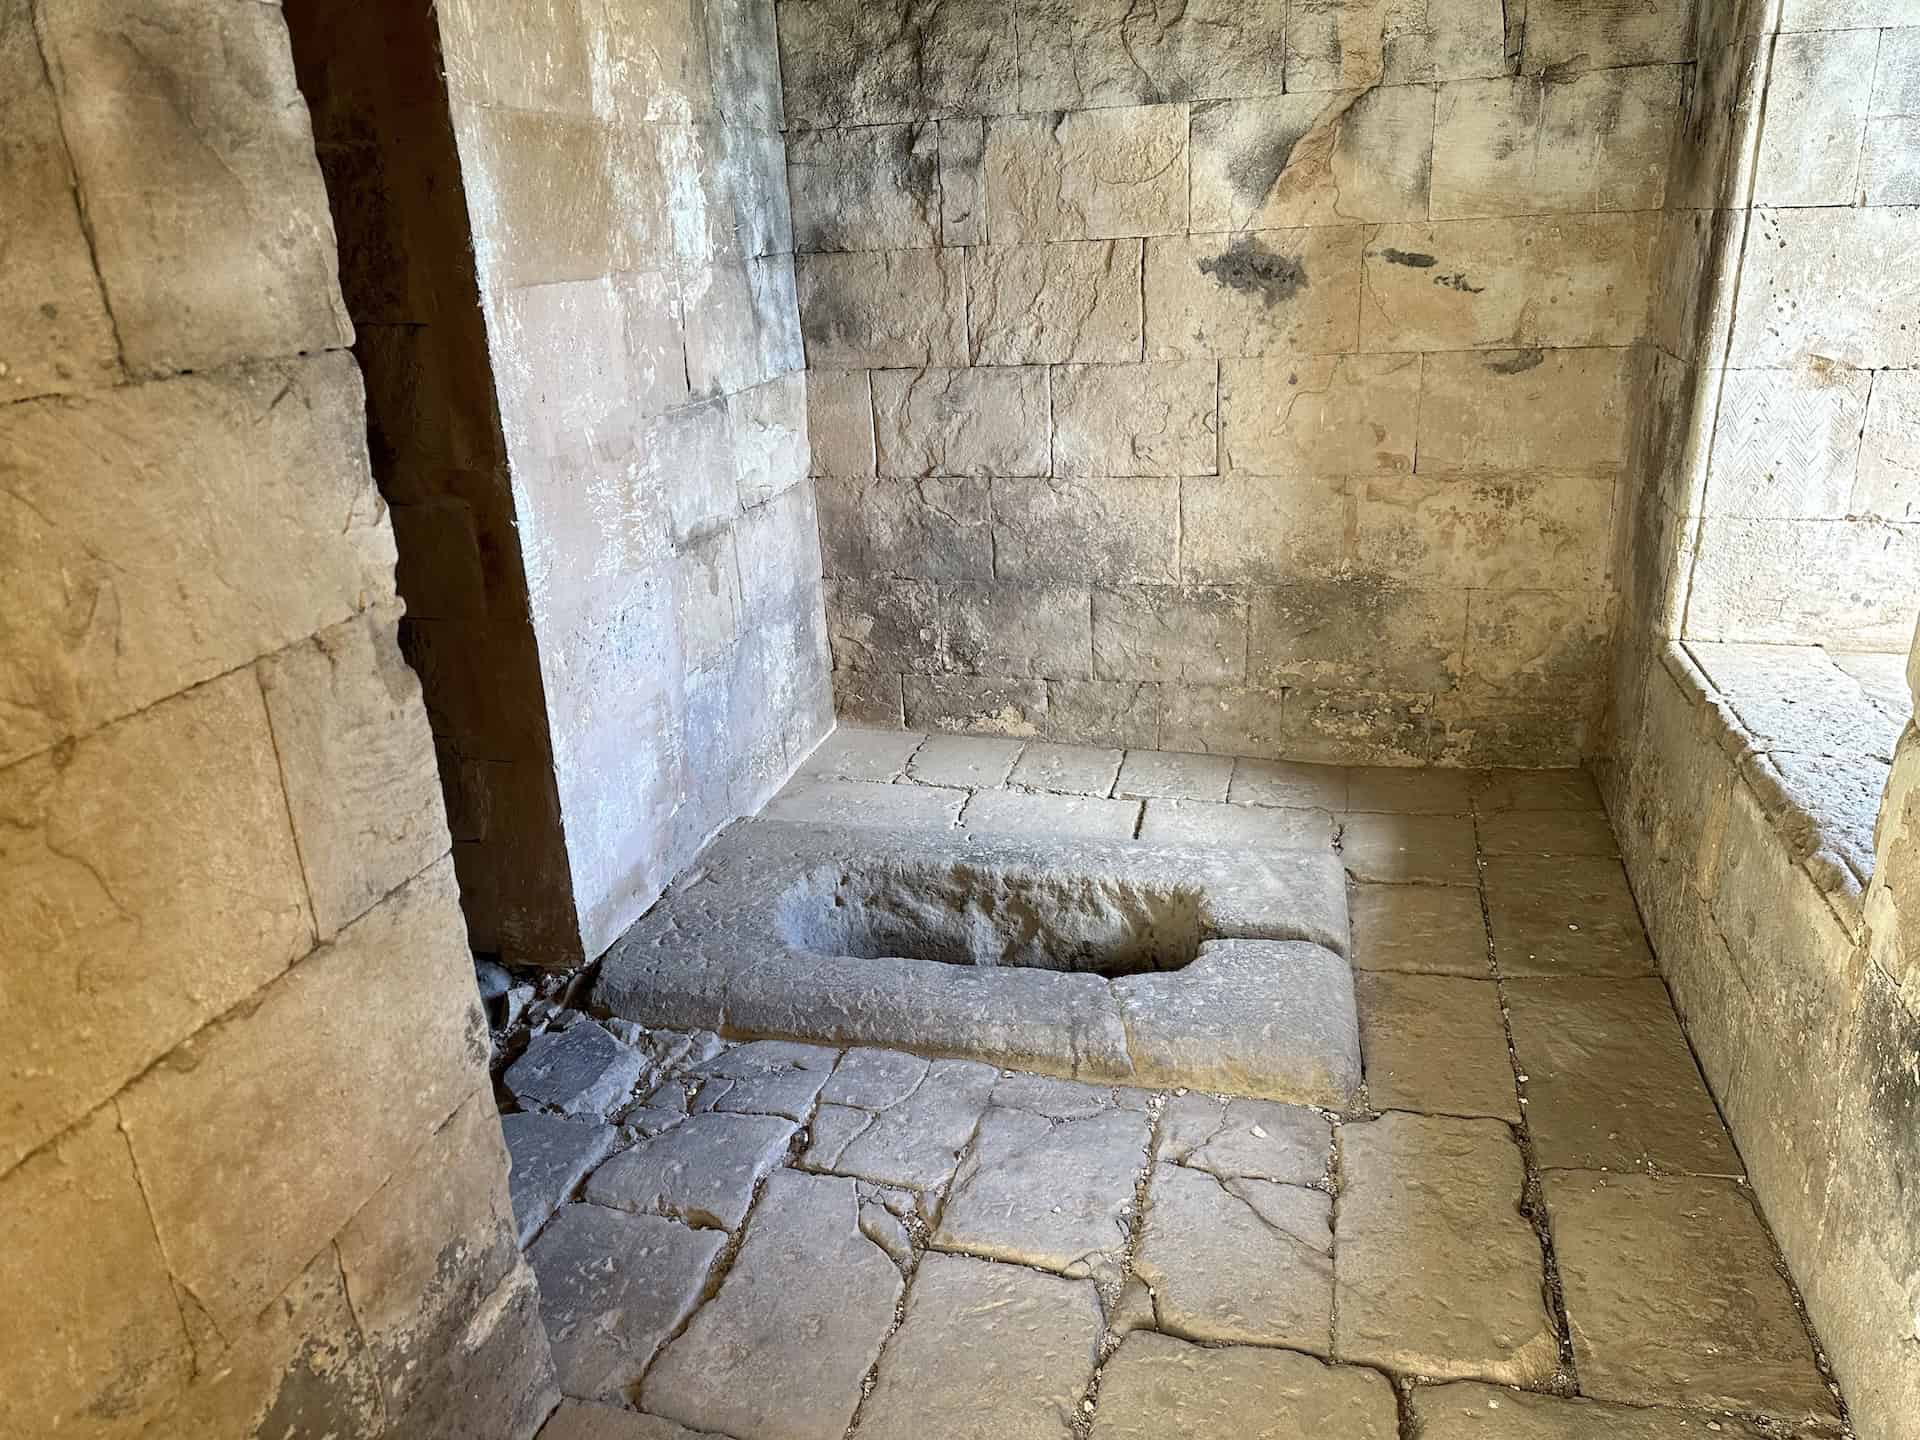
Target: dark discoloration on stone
{"type": "Point", "coordinates": [1412, 259]}
{"type": "Point", "coordinates": [325, 1391]}
{"type": "Point", "coordinates": [1252, 269]}
{"type": "Point", "coordinates": [1518, 363]}
{"type": "Point", "coordinates": [1254, 172]}
{"type": "Point", "coordinates": [1458, 281]}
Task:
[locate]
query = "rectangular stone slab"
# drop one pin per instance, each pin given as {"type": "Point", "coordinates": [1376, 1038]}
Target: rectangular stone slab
{"type": "Point", "coordinates": [751, 942]}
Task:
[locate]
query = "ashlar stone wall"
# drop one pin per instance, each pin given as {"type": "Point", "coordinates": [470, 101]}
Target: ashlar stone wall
{"type": "Point", "coordinates": [251, 1177]}
{"type": "Point", "coordinates": [1235, 377]}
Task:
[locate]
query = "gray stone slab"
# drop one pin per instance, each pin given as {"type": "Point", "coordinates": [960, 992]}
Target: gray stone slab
{"type": "Point", "coordinates": [1436, 1044]}
{"type": "Point", "coordinates": [1056, 1195]}
{"type": "Point", "coordinates": [574, 1421]}
{"type": "Point", "coordinates": [1167, 774]}
{"type": "Point", "coordinates": [550, 1154]}
{"type": "Point", "coordinates": [1246, 1139]}
{"type": "Point", "coordinates": [972, 761]}
{"type": "Point", "coordinates": [1288, 784]}
{"type": "Point", "coordinates": [1238, 1261]}
{"type": "Point", "coordinates": [1424, 929]}
{"type": "Point", "coordinates": [985, 1352]}
{"type": "Point", "coordinates": [1673, 1298]}
{"type": "Point", "coordinates": [1611, 1082]}
{"type": "Point", "coordinates": [1156, 1386]}
{"type": "Point", "coordinates": [1020, 812]}
{"type": "Point", "coordinates": [581, 1070]}
{"type": "Point", "coordinates": [703, 1171]}
{"type": "Point", "coordinates": [1496, 790]}
{"type": "Point", "coordinates": [860, 803]}
{"type": "Point", "coordinates": [1546, 832]}
{"type": "Point", "coordinates": [1206, 822]}
{"type": "Point", "coordinates": [1409, 791]}
{"type": "Point", "coordinates": [1067, 769]}
{"type": "Point", "coordinates": [913, 1139]}
{"type": "Point", "coordinates": [1468, 1410]}
{"type": "Point", "coordinates": [1274, 1019]}
{"type": "Point", "coordinates": [613, 1287]}
{"type": "Point", "coordinates": [781, 1351]}
{"type": "Point", "coordinates": [1564, 915]}
{"type": "Point", "coordinates": [767, 1077]}
{"type": "Point", "coordinates": [1063, 1099]}
{"type": "Point", "coordinates": [1404, 849]}
{"type": "Point", "coordinates": [1437, 1272]}
{"type": "Point", "coordinates": [854, 752]}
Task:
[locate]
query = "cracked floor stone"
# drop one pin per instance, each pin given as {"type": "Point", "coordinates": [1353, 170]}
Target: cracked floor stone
{"type": "Point", "coordinates": [1251, 1139]}
{"type": "Point", "coordinates": [703, 1171]}
{"type": "Point", "coordinates": [1156, 1386]}
{"type": "Point", "coordinates": [875, 1124]}
{"type": "Point", "coordinates": [1467, 1410]}
{"type": "Point", "coordinates": [581, 1070]}
{"type": "Point", "coordinates": [550, 1155]}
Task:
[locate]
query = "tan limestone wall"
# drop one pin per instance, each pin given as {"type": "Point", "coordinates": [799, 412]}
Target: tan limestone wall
{"type": "Point", "coordinates": [624, 183]}
{"type": "Point", "coordinates": [1251, 378]}
{"type": "Point", "coordinates": [250, 1173]}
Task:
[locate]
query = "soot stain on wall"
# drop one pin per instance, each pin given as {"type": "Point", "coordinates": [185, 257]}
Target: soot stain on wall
{"type": "Point", "coordinates": [1253, 269]}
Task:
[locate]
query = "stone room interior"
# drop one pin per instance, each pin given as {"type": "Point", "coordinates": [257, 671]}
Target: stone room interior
{"type": "Point", "coordinates": [959, 719]}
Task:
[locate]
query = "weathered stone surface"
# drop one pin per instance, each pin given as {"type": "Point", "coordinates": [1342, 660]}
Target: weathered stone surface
{"type": "Point", "coordinates": [1409, 790]}
{"type": "Point", "coordinates": [1356, 632]}
{"type": "Point", "coordinates": [1048, 304]}
{"type": "Point", "coordinates": [1817, 94]}
{"type": "Point", "coordinates": [976, 705]}
{"type": "Point", "coordinates": [1102, 712]}
{"type": "Point", "coordinates": [1154, 419]}
{"type": "Point", "coordinates": [1437, 1273]}
{"type": "Point", "coordinates": [1435, 1044]}
{"type": "Point", "coordinates": [1531, 281]}
{"type": "Point", "coordinates": [495, 1368]}
{"type": "Point", "coordinates": [990, 420]}
{"type": "Point", "coordinates": [1169, 775]}
{"type": "Point", "coordinates": [1074, 53]}
{"type": "Point", "coordinates": [900, 307]}
{"type": "Point", "coordinates": [1238, 1260]}
{"type": "Point", "coordinates": [1170, 632]}
{"type": "Point", "coordinates": [1087, 174]}
{"type": "Point", "coordinates": [550, 1156]}
{"type": "Point", "coordinates": [741, 325]}
{"type": "Point", "coordinates": [1020, 1376]}
{"type": "Point", "coordinates": [1258, 292]}
{"type": "Point", "coordinates": [1115, 530]}
{"type": "Point", "coordinates": [872, 187]}
{"type": "Point", "coordinates": [1524, 409]}
{"type": "Point", "coordinates": [581, 1070]}
{"type": "Point", "coordinates": [1266, 1018]}
{"type": "Point", "coordinates": [768, 425]}
{"type": "Point", "coordinates": [1013, 812]}
{"type": "Point", "coordinates": [1066, 769]}
{"type": "Point", "coordinates": [1564, 916]}
{"type": "Point", "coordinates": [1059, 1099]}
{"type": "Point", "coordinates": [1312, 159]}
{"type": "Point", "coordinates": [1329, 414]}
{"type": "Point", "coordinates": [1201, 822]}
{"type": "Point", "coordinates": [1463, 1409]}
{"type": "Point", "coordinates": [1611, 1084]}
{"type": "Point", "coordinates": [1496, 529]}
{"type": "Point", "coordinates": [766, 1077]}
{"type": "Point", "coordinates": [1499, 790]}
{"type": "Point", "coordinates": [854, 752]}
{"type": "Point", "coordinates": [1056, 1195]}
{"type": "Point", "coordinates": [1421, 929]}
{"type": "Point", "coordinates": [702, 1172]}
{"type": "Point", "coordinates": [963, 195]}
{"type": "Point", "coordinates": [851, 802]}
{"type": "Point", "coordinates": [1887, 482]}
{"type": "Point", "coordinates": [898, 1119]}
{"type": "Point", "coordinates": [840, 422]}
{"type": "Point", "coordinates": [1294, 786]}
{"type": "Point", "coordinates": [613, 1288]}
{"type": "Point", "coordinates": [1577, 35]}
{"type": "Point", "coordinates": [1155, 1386]}
{"type": "Point", "coordinates": [1796, 255]}
{"type": "Point", "coordinates": [1748, 581]}
{"type": "Point", "coordinates": [845, 62]}
{"type": "Point", "coordinates": [1257, 530]}
{"type": "Point", "coordinates": [971, 761]}
{"type": "Point", "coordinates": [181, 178]}
{"type": "Point", "coordinates": [1673, 1298]}
{"type": "Point", "coordinates": [242, 1195]}
{"type": "Point", "coordinates": [783, 1348]}
{"type": "Point", "coordinates": [575, 1421]}
{"type": "Point", "coordinates": [1409, 849]}
{"type": "Point", "coordinates": [1235, 1139]}
{"type": "Point", "coordinates": [1013, 629]}
{"type": "Point", "coordinates": [931, 528]}
{"type": "Point", "coordinates": [1547, 832]}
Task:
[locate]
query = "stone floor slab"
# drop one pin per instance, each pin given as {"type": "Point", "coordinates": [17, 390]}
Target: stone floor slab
{"type": "Point", "coordinates": [852, 752]}
{"type": "Point", "coordinates": [1435, 1044]}
{"type": "Point", "coordinates": [985, 1352]}
{"type": "Point", "coordinates": [1611, 1082]}
{"type": "Point", "coordinates": [1436, 1271]}
{"type": "Point", "coordinates": [1409, 849]}
{"type": "Point", "coordinates": [781, 1351]}
{"type": "Point", "coordinates": [1409, 791]}
{"type": "Point", "coordinates": [1245, 1139]}
{"type": "Point", "coordinates": [1238, 1261]}
{"type": "Point", "coordinates": [1535, 790]}
{"type": "Point", "coordinates": [913, 1139]}
{"type": "Point", "coordinates": [1468, 1410]}
{"type": "Point", "coordinates": [972, 761]}
{"type": "Point", "coordinates": [575, 1421]}
{"type": "Point", "coordinates": [1673, 1297]}
{"type": "Point", "coordinates": [871, 806]}
{"type": "Point", "coordinates": [1063, 1099]}
{"type": "Point", "coordinates": [550, 1156]}
{"type": "Point", "coordinates": [1547, 832]}
{"type": "Point", "coordinates": [581, 1070]}
{"type": "Point", "coordinates": [1420, 929]}
{"type": "Point", "coordinates": [1022, 812]}
{"type": "Point", "coordinates": [1207, 822]}
{"type": "Point", "coordinates": [1289, 784]}
{"type": "Point", "coordinates": [1564, 915]}
{"type": "Point", "coordinates": [1057, 1195]}
{"type": "Point", "coordinates": [613, 1287]}
{"type": "Point", "coordinates": [1156, 1387]}
{"type": "Point", "coordinates": [1171, 775]}
{"type": "Point", "coordinates": [703, 1171]}
{"type": "Point", "coordinates": [765, 1077]}
{"type": "Point", "coordinates": [1067, 769]}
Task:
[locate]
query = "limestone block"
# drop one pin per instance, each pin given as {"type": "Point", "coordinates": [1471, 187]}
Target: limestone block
{"type": "Point", "coordinates": [741, 322]}
{"type": "Point", "coordinates": [550, 1155]}
{"type": "Point", "coordinates": [850, 63]}
{"type": "Point", "coordinates": [1889, 169]}
{"type": "Point", "coordinates": [1887, 483]}
{"type": "Point", "coordinates": [1152, 774]}
{"type": "Point", "coordinates": [1462, 1409]}
{"type": "Point", "coordinates": [908, 1119]}
{"type": "Point", "coordinates": [977, 704]}
{"type": "Point", "coordinates": [961, 760]}
{"type": "Point", "coordinates": [1156, 1385]}
{"type": "Point", "coordinates": [1202, 822]}
{"type": "Point", "coordinates": [1749, 582]}
{"type": "Point", "coordinates": [1528, 145]}
{"type": "Point", "coordinates": [1564, 916]}
{"type": "Point", "coordinates": [686, 456]}
{"type": "Point", "coordinates": [866, 698]}
{"type": "Point", "coordinates": [575, 1421]}
{"type": "Point", "coordinates": [1408, 849]}
{"type": "Point", "coordinates": [1387, 789]}
{"type": "Point", "coordinates": [797, 1324]}
{"type": "Point", "coordinates": [903, 307]}
{"type": "Point", "coordinates": [1167, 632]}
{"type": "Point", "coordinates": [1068, 301]}
{"type": "Point", "coordinates": [97, 1335]}
{"type": "Point", "coordinates": [1436, 1044]}
{"type": "Point", "coordinates": [1338, 46]}
{"type": "Point", "coordinates": [1020, 1377]}
{"type": "Point", "coordinates": [1525, 410]}
{"type": "Point", "coordinates": [1077, 54]}
{"type": "Point", "coordinates": [1428, 929]}
{"type": "Point", "coordinates": [553, 214]}
{"type": "Point", "coordinates": [59, 336]}
{"type": "Point", "coordinates": [931, 529]}
{"type": "Point", "coordinates": [1246, 529]}
{"type": "Point", "coordinates": [725, 191]}
{"type": "Point", "coordinates": [768, 426]}
{"type": "Point", "coordinates": [779, 552]}
{"type": "Point", "coordinates": [1151, 419]}
{"type": "Point", "coordinates": [1546, 832]}
{"type": "Point", "coordinates": [872, 187]}
{"type": "Point", "coordinates": [1818, 89]}
{"type": "Point", "coordinates": [1374, 727]}
{"type": "Point", "coordinates": [118, 595]}
{"type": "Point", "coordinates": [1500, 530]}
{"type": "Point", "coordinates": [1498, 284]}
{"type": "Point", "coordinates": [1787, 443]}
{"type": "Point", "coordinates": [195, 157]}
{"type": "Point", "coordinates": [1832, 284]}
{"type": "Point", "coordinates": [581, 1070]}
{"type": "Point", "coordinates": [987, 420]}
{"type": "Point", "coordinates": [1312, 159]}
{"type": "Point", "coordinates": [1320, 415]}
{"type": "Point", "coordinates": [1366, 632]}
{"type": "Point", "coordinates": [744, 55]}
{"type": "Point", "coordinates": [840, 422]}
{"type": "Point", "coordinates": [1575, 35]}
{"type": "Point", "coordinates": [1223, 719]}
{"type": "Point", "coordinates": [703, 1172]}
{"type": "Point", "coordinates": [497, 1370]}
{"type": "Point", "coordinates": [1673, 1298]}
{"type": "Point", "coordinates": [1265, 292]}
{"type": "Point", "coordinates": [1007, 629]}
{"type": "Point", "coordinates": [1538, 642]}
{"type": "Point", "coordinates": [884, 624]}
{"type": "Point", "coordinates": [1100, 712]}
{"type": "Point", "coordinates": [531, 57]}
{"type": "Point", "coordinates": [1293, 786]}
{"type": "Point", "coordinates": [243, 1193]}
{"type": "Point", "coordinates": [1438, 1273]}
{"type": "Point", "coordinates": [133, 856]}
{"type": "Point", "coordinates": [963, 195]}
{"type": "Point", "coordinates": [651, 64]}
{"type": "Point", "coordinates": [1087, 174]}
{"type": "Point", "coordinates": [1009, 812]}
{"type": "Point", "coordinates": [1066, 769]}
{"type": "Point", "coordinates": [1107, 531]}
{"type": "Point", "coordinates": [854, 802]}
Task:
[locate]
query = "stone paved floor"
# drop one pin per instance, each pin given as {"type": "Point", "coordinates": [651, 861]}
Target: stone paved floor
{"type": "Point", "coordinates": [793, 1241]}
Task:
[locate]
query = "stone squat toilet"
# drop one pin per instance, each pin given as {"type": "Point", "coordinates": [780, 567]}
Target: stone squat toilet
{"type": "Point", "coordinates": [1133, 964]}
